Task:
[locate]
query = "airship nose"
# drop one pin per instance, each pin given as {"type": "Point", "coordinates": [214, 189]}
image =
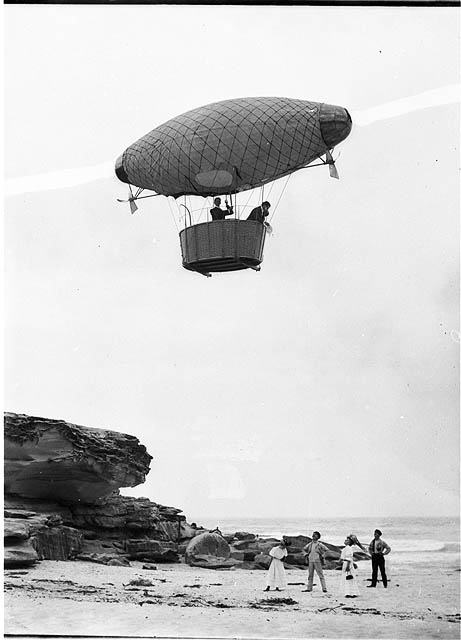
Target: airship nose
{"type": "Point", "coordinates": [335, 124]}
{"type": "Point", "coordinates": [120, 171]}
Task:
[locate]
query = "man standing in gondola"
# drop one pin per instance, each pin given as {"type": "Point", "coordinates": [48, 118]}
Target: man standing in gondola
{"type": "Point", "coordinates": [260, 213]}
{"type": "Point", "coordinates": [219, 214]}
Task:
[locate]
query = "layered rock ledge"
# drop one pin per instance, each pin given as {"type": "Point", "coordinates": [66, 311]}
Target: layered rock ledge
{"type": "Point", "coordinates": [62, 497]}
{"type": "Point", "coordinates": [53, 459]}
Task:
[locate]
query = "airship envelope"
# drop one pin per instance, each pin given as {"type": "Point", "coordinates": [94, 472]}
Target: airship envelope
{"type": "Point", "coordinates": [231, 146]}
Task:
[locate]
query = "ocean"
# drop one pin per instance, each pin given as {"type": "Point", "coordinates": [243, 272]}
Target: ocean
{"type": "Point", "coordinates": [413, 541]}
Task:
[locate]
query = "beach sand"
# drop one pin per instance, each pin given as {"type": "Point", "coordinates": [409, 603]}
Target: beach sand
{"type": "Point", "coordinates": [82, 598]}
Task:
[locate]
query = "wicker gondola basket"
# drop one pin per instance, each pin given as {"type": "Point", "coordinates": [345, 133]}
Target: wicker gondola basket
{"type": "Point", "coordinates": [222, 245]}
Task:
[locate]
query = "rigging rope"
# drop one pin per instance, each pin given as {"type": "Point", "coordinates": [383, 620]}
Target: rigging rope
{"type": "Point", "coordinates": [202, 209]}
{"type": "Point", "coordinates": [172, 214]}
{"type": "Point", "coordinates": [283, 191]}
{"type": "Point", "coordinates": [245, 206]}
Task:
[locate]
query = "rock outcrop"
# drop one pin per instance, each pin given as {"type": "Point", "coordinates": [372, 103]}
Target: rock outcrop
{"type": "Point", "coordinates": [53, 459]}
{"type": "Point", "coordinates": [19, 555]}
{"type": "Point", "coordinates": [252, 551]}
{"type": "Point", "coordinates": [62, 497]}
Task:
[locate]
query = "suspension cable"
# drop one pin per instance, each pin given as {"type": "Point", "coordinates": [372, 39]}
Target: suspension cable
{"type": "Point", "coordinates": [151, 195]}
{"type": "Point", "coordinates": [202, 209]}
{"type": "Point", "coordinates": [245, 206]}
{"type": "Point", "coordinates": [280, 196]}
{"type": "Point", "coordinates": [172, 214]}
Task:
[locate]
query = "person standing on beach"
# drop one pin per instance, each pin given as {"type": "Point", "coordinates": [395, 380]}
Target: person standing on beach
{"type": "Point", "coordinates": [349, 582]}
{"type": "Point", "coordinates": [276, 578]}
{"type": "Point", "coordinates": [378, 549]}
{"type": "Point", "coordinates": [357, 542]}
{"type": "Point", "coordinates": [315, 552]}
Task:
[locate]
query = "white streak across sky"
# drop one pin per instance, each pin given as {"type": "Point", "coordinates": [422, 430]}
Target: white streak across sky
{"type": "Point", "coordinates": [58, 179]}
{"type": "Point", "coordinates": [74, 177]}
{"type": "Point", "coordinates": [433, 98]}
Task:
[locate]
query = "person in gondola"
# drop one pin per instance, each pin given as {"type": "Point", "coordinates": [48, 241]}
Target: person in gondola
{"type": "Point", "coordinates": [260, 213]}
{"type": "Point", "coordinates": [219, 214]}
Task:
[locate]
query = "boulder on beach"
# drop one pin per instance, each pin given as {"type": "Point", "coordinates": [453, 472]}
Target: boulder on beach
{"type": "Point", "coordinates": [211, 545]}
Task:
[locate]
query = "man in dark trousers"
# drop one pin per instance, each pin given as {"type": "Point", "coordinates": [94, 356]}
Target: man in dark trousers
{"type": "Point", "coordinates": [378, 549]}
{"type": "Point", "coordinates": [260, 213]}
{"type": "Point", "coordinates": [219, 214]}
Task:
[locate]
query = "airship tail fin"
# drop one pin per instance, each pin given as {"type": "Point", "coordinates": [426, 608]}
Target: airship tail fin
{"type": "Point", "coordinates": [331, 165]}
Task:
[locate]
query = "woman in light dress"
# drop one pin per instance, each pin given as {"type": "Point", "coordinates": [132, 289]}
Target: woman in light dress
{"type": "Point", "coordinates": [276, 578]}
{"type": "Point", "coordinates": [349, 580]}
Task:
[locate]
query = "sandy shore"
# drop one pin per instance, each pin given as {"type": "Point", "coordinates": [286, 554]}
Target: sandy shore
{"type": "Point", "coordinates": [81, 598]}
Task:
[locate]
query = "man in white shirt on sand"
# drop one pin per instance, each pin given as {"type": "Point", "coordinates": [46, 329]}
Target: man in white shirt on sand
{"type": "Point", "coordinates": [315, 552]}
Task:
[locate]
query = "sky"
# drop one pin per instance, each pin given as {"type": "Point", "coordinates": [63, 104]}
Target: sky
{"type": "Point", "coordinates": [327, 383]}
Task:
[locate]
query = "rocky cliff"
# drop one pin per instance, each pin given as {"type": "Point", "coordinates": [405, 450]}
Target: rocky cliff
{"type": "Point", "coordinates": [54, 459]}
{"type": "Point", "coordinates": [62, 496]}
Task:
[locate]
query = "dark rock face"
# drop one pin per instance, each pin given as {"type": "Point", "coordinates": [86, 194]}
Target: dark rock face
{"type": "Point", "coordinates": [140, 515]}
{"type": "Point", "coordinates": [57, 543]}
{"type": "Point", "coordinates": [62, 499]}
{"type": "Point", "coordinates": [152, 550]}
{"type": "Point", "coordinates": [53, 459]}
{"type": "Point", "coordinates": [116, 527]}
{"type": "Point", "coordinates": [19, 555]}
{"type": "Point", "coordinates": [14, 530]}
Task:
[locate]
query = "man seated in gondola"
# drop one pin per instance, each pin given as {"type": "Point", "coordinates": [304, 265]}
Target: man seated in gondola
{"type": "Point", "coordinates": [260, 213]}
{"type": "Point", "coordinates": [219, 214]}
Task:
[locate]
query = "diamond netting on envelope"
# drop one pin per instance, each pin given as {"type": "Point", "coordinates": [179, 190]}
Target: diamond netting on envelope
{"type": "Point", "coordinates": [256, 139]}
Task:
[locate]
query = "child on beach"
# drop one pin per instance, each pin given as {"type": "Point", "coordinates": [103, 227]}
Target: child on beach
{"type": "Point", "coordinates": [276, 578]}
{"type": "Point", "coordinates": [349, 582]}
